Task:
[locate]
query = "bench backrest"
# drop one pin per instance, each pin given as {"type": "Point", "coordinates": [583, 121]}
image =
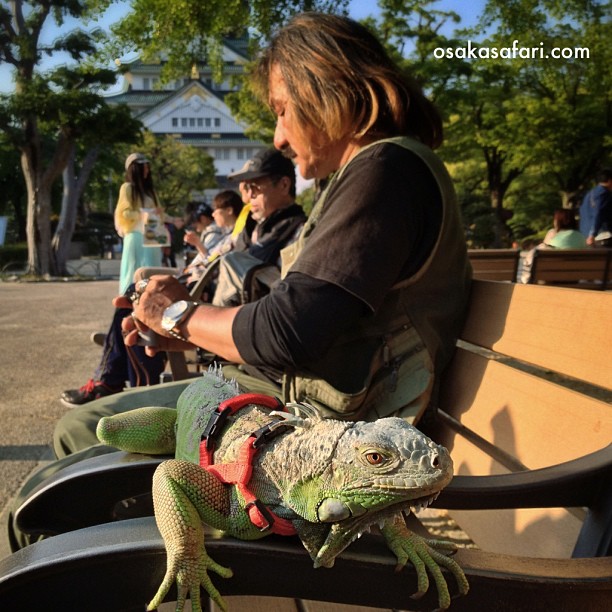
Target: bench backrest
{"type": "Point", "coordinates": [494, 264]}
{"type": "Point", "coordinates": [505, 403]}
{"type": "Point", "coordinates": [580, 268]}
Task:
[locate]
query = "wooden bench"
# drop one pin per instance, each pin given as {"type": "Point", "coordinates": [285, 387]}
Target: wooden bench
{"type": "Point", "coordinates": [529, 387]}
{"type": "Point", "coordinates": [579, 268]}
{"type": "Point", "coordinates": [524, 410]}
{"type": "Point", "coordinates": [495, 264]}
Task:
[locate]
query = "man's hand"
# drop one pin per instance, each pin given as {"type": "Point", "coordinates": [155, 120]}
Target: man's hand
{"type": "Point", "coordinates": [149, 302]}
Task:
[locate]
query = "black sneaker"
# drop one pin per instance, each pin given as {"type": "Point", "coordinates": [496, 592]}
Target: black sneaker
{"type": "Point", "coordinates": [98, 338]}
{"type": "Point", "coordinates": [87, 393]}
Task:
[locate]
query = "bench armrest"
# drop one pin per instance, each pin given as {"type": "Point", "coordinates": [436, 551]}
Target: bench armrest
{"type": "Point", "coordinates": [119, 567]}
{"type": "Point", "coordinates": [572, 484]}
{"type": "Point", "coordinates": [88, 492]}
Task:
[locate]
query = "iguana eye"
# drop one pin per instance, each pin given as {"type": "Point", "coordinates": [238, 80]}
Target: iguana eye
{"type": "Point", "coordinates": [374, 458]}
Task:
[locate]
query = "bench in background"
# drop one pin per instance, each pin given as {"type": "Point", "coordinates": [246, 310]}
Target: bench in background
{"type": "Point", "coordinates": [579, 268]}
{"type": "Point", "coordinates": [495, 264]}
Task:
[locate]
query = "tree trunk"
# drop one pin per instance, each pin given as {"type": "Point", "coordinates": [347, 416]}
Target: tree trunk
{"type": "Point", "coordinates": [497, 203]}
{"type": "Point", "coordinates": [67, 221]}
{"type": "Point", "coordinates": [73, 190]}
{"type": "Point", "coordinates": [38, 228]}
{"type": "Point", "coordinates": [498, 186]}
{"type": "Point", "coordinates": [39, 181]}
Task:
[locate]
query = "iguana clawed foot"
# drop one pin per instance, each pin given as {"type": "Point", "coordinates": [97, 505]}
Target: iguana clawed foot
{"type": "Point", "coordinates": [424, 556]}
{"type": "Point", "coordinates": [189, 579]}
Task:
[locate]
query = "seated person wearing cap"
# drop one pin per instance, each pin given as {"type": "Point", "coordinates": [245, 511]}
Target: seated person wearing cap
{"type": "Point", "coordinates": [273, 222]}
{"type": "Point", "coordinates": [202, 233]}
{"type": "Point", "coordinates": [268, 180]}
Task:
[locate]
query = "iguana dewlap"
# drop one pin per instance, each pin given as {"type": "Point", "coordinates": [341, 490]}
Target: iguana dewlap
{"type": "Point", "coordinates": [328, 480]}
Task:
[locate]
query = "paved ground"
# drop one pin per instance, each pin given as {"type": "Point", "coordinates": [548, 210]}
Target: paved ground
{"type": "Point", "coordinates": [44, 349]}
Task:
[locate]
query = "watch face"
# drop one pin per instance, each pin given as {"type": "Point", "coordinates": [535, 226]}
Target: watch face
{"type": "Point", "coordinates": [173, 313]}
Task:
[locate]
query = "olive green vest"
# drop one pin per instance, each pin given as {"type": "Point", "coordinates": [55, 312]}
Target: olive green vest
{"type": "Point", "coordinates": [388, 363]}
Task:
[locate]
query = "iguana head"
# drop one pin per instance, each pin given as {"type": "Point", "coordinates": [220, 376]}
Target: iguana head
{"type": "Point", "coordinates": [375, 470]}
{"type": "Point", "coordinates": [382, 463]}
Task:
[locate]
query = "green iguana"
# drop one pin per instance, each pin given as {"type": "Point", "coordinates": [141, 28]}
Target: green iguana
{"type": "Point", "coordinates": [269, 471]}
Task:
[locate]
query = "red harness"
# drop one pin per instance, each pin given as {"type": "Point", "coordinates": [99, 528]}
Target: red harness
{"type": "Point", "coordinates": [239, 473]}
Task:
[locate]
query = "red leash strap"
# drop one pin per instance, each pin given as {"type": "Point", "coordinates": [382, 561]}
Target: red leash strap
{"type": "Point", "coordinates": [239, 472]}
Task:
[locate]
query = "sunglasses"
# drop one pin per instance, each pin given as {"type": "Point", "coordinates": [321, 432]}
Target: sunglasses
{"type": "Point", "coordinates": [253, 188]}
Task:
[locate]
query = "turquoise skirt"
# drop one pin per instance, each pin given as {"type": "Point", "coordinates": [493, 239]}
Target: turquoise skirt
{"type": "Point", "coordinates": [135, 255]}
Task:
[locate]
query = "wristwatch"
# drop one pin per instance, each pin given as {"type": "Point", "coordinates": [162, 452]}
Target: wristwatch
{"type": "Point", "coordinates": [175, 315]}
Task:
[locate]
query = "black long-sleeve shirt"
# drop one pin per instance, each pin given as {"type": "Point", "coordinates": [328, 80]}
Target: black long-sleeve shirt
{"type": "Point", "coordinates": [381, 220]}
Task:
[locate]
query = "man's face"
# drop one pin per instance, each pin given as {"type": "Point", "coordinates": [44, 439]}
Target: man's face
{"type": "Point", "coordinates": [267, 194]}
{"type": "Point", "coordinates": [312, 155]}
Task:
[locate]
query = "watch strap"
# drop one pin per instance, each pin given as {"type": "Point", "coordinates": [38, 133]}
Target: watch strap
{"type": "Point", "coordinates": [175, 332]}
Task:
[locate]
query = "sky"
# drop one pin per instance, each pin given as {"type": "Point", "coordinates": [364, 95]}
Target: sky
{"type": "Point", "coordinates": [469, 11]}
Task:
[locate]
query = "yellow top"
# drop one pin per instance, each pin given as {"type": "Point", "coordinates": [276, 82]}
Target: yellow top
{"type": "Point", "coordinates": [128, 212]}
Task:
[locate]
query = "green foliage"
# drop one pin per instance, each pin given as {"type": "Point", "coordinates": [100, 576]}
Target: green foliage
{"type": "Point", "coordinates": [307, 199]}
{"type": "Point", "coordinates": [177, 171]}
{"type": "Point", "coordinates": [12, 186]}
{"type": "Point", "coordinates": [186, 31]}
{"type": "Point", "coordinates": [49, 110]}
{"type": "Point", "coordinates": [523, 136]}
{"type": "Point", "coordinates": [247, 109]}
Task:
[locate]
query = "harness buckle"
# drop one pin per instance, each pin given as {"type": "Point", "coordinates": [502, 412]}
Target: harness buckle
{"type": "Point", "coordinates": [213, 427]}
{"type": "Point", "coordinates": [268, 432]}
{"type": "Point", "coordinates": [264, 514]}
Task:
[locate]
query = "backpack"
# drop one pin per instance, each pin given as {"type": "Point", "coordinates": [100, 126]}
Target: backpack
{"type": "Point", "coordinates": [243, 278]}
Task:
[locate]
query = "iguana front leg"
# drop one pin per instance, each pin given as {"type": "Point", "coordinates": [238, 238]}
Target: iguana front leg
{"type": "Point", "coordinates": [407, 546]}
{"type": "Point", "coordinates": [185, 496]}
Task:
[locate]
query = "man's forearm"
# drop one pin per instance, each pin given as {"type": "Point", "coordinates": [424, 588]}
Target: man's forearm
{"type": "Point", "coordinates": [210, 328]}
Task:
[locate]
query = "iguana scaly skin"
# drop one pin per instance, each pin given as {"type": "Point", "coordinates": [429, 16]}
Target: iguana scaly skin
{"type": "Point", "coordinates": [331, 479]}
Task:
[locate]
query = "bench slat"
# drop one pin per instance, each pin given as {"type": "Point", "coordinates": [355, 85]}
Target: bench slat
{"type": "Point", "coordinates": [513, 410]}
{"type": "Point", "coordinates": [504, 414]}
{"type": "Point", "coordinates": [518, 321]}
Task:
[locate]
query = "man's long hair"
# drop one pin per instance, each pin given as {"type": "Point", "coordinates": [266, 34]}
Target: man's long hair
{"type": "Point", "coordinates": [342, 82]}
